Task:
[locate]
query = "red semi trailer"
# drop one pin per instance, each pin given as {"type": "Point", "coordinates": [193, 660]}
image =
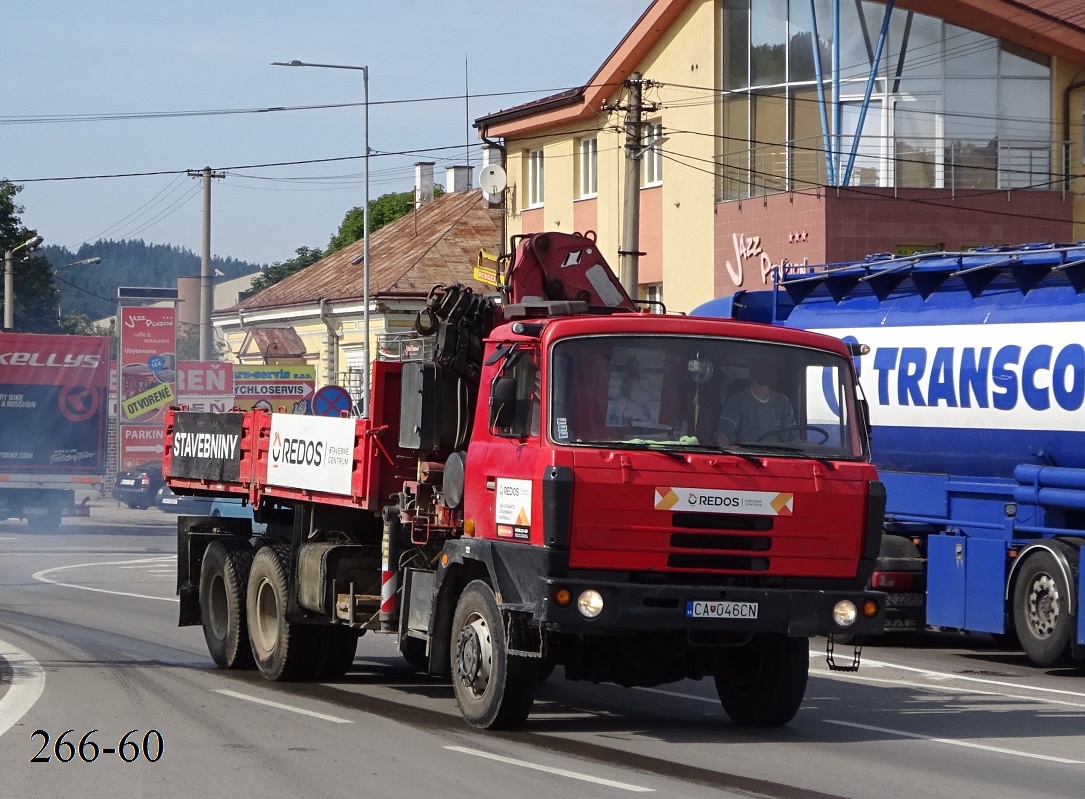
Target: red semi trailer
{"type": "Point", "coordinates": [562, 484]}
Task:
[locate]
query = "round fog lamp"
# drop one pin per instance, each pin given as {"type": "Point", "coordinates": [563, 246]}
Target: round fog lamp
{"type": "Point", "coordinates": [845, 613]}
{"type": "Point", "coordinates": [590, 603]}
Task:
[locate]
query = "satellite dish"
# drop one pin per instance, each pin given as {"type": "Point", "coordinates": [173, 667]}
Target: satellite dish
{"type": "Point", "coordinates": [492, 179]}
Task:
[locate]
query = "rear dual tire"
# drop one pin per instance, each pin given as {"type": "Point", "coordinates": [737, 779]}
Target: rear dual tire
{"type": "Point", "coordinates": [224, 576]}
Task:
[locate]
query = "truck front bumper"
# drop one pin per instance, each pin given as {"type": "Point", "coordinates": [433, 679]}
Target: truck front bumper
{"type": "Point", "coordinates": [631, 607]}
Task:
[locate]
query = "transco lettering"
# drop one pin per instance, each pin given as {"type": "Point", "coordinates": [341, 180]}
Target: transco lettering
{"type": "Point", "coordinates": [982, 377]}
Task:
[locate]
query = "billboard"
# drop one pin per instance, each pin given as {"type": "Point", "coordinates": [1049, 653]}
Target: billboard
{"type": "Point", "coordinates": [148, 372]}
{"type": "Point", "coordinates": [140, 443]}
{"type": "Point", "coordinates": [283, 388]}
{"type": "Point", "coordinates": [53, 403]}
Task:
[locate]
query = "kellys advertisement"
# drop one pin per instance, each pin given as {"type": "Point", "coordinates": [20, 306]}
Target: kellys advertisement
{"type": "Point", "coordinates": [148, 364]}
{"type": "Point", "coordinates": [52, 403]}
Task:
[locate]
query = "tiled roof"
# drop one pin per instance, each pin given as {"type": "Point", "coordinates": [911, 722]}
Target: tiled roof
{"type": "Point", "coordinates": [278, 342]}
{"type": "Point", "coordinates": [438, 243]}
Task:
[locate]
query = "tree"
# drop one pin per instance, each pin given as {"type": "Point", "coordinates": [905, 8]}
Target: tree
{"type": "Point", "coordinates": [386, 208]}
{"type": "Point", "coordinates": [35, 304]}
{"type": "Point", "coordinates": [304, 256]}
{"type": "Point", "coordinates": [187, 344]}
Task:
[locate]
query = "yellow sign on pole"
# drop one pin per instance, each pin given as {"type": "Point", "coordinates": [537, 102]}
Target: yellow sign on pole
{"type": "Point", "coordinates": [150, 400]}
{"type": "Point", "coordinates": [486, 269]}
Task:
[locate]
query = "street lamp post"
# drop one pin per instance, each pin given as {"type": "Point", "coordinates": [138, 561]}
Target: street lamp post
{"type": "Point", "coordinates": [9, 279]}
{"type": "Point", "coordinates": [365, 219]}
{"type": "Point", "coordinates": [94, 260]}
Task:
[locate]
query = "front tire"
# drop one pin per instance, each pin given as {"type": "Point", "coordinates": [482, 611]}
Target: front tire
{"type": "Point", "coordinates": [763, 683]}
{"type": "Point", "coordinates": [414, 652]}
{"type": "Point", "coordinates": [224, 577]}
{"type": "Point", "coordinates": [283, 650]}
{"type": "Point", "coordinates": [494, 690]}
{"type": "Point", "coordinates": [1040, 611]}
{"type": "Point", "coordinates": [338, 646]}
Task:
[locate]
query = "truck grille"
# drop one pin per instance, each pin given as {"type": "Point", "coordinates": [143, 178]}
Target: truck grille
{"type": "Point", "coordinates": [697, 560]}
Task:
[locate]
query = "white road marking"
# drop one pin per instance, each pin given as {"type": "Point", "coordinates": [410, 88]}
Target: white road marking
{"type": "Point", "coordinates": [8, 537]}
{"type": "Point", "coordinates": [40, 577]}
{"type": "Point", "coordinates": [941, 675]}
{"type": "Point", "coordinates": [952, 742]}
{"type": "Point", "coordinates": [710, 700]}
{"type": "Point", "coordinates": [624, 786]}
{"type": "Point", "coordinates": [281, 706]}
{"type": "Point", "coordinates": [956, 689]}
{"type": "Point", "coordinates": [26, 685]}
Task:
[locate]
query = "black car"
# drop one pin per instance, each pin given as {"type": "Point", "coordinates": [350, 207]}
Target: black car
{"type": "Point", "coordinates": [138, 486]}
{"type": "Point", "coordinates": [169, 502]}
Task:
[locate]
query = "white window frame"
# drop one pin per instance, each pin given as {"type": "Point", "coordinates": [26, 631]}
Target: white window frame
{"type": "Point", "coordinates": [588, 153]}
{"type": "Point", "coordinates": [535, 179]}
{"type": "Point", "coordinates": [651, 168]}
{"type": "Point", "coordinates": [653, 292]}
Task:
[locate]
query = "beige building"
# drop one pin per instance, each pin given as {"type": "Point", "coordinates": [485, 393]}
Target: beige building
{"type": "Point", "coordinates": [919, 125]}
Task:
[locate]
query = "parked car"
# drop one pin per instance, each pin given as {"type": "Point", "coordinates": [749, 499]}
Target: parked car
{"type": "Point", "coordinates": [169, 502]}
{"type": "Point", "coordinates": [138, 486]}
{"type": "Point", "coordinates": [234, 509]}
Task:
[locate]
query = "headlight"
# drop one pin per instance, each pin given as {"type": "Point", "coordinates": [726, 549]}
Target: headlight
{"type": "Point", "coordinates": [590, 603]}
{"type": "Point", "coordinates": [844, 613]}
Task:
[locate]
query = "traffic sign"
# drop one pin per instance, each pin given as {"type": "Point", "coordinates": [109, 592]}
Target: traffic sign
{"type": "Point", "coordinates": [331, 401]}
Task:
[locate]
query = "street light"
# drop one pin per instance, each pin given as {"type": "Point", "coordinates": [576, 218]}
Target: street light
{"type": "Point", "coordinates": [95, 260]}
{"type": "Point", "coordinates": [365, 219]}
{"type": "Point", "coordinates": [9, 279]}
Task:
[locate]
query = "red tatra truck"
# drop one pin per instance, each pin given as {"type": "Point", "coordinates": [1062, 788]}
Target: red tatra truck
{"type": "Point", "coordinates": [566, 482]}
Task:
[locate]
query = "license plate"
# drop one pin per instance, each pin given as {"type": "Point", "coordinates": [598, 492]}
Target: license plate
{"type": "Point", "coordinates": [696, 609]}
{"type": "Point", "coordinates": [128, 482]}
{"type": "Point", "coordinates": [903, 600]}
{"type": "Point", "coordinates": [169, 501]}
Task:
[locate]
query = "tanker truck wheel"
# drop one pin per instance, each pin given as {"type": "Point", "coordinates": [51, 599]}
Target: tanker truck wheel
{"type": "Point", "coordinates": [283, 650]}
{"type": "Point", "coordinates": [224, 575]}
{"type": "Point", "coordinates": [494, 690]}
{"type": "Point", "coordinates": [1040, 611]}
{"type": "Point", "coordinates": [763, 683]}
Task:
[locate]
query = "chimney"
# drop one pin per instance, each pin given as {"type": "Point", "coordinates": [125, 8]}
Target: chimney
{"type": "Point", "coordinates": [457, 178]}
{"type": "Point", "coordinates": [423, 183]}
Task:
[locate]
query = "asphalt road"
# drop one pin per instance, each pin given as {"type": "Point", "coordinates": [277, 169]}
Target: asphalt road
{"type": "Point", "coordinates": [88, 642]}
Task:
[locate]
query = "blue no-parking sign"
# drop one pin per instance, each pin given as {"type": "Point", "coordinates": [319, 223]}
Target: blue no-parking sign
{"type": "Point", "coordinates": [331, 401]}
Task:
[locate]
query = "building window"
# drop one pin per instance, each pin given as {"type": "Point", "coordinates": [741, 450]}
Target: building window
{"type": "Point", "coordinates": [949, 108]}
{"type": "Point", "coordinates": [652, 159]}
{"type": "Point", "coordinates": [653, 293]}
{"type": "Point", "coordinates": [589, 167]}
{"type": "Point", "coordinates": [534, 178]}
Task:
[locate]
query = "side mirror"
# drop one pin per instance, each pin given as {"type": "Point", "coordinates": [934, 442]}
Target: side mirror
{"type": "Point", "coordinates": [502, 403]}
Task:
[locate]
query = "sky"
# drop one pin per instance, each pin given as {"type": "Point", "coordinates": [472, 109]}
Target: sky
{"type": "Point", "coordinates": [125, 87]}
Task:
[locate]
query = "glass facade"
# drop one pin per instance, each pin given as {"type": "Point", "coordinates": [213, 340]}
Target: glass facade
{"type": "Point", "coordinates": [950, 108]}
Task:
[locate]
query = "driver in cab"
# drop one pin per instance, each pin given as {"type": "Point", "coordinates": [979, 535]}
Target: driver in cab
{"type": "Point", "coordinates": [756, 412]}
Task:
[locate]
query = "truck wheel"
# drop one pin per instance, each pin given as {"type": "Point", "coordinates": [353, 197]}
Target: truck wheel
{"type": "Point", "coordinates": [494, 690]}
{"type": "Point", "coordinates": [338, 646]}
{"type": "Point", "coordinates": [47, 523]}
{"type": "Point", "coordinates": [224, 575]}
{"type": "Point", "coordinates": [283, 650]}
{"type": "Point", "coordinates": [1040, 611]}
{"type": "Point", "coordinates": [764, 682]}
{"type": "Point", "coordinates": [414, 652]}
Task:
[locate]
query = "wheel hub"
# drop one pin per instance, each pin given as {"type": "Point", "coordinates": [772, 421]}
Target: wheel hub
{"type": "Point", "coordinates": [473, 655]}
{"type": "Point", "coordinates": [1043, 605]}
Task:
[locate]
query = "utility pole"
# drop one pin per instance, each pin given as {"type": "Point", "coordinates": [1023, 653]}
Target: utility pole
{"type": "Point", "coordinates": [634, 151]}
{"type": "Point", "coordinates": [207, 295]}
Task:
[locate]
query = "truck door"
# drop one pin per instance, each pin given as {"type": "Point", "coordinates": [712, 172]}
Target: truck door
{"type": "Point", "coordinates": [503, 457]}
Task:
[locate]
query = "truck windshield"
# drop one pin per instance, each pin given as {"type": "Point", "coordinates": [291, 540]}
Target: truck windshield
{"type": "Point", "coordinates": [677, 392]}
